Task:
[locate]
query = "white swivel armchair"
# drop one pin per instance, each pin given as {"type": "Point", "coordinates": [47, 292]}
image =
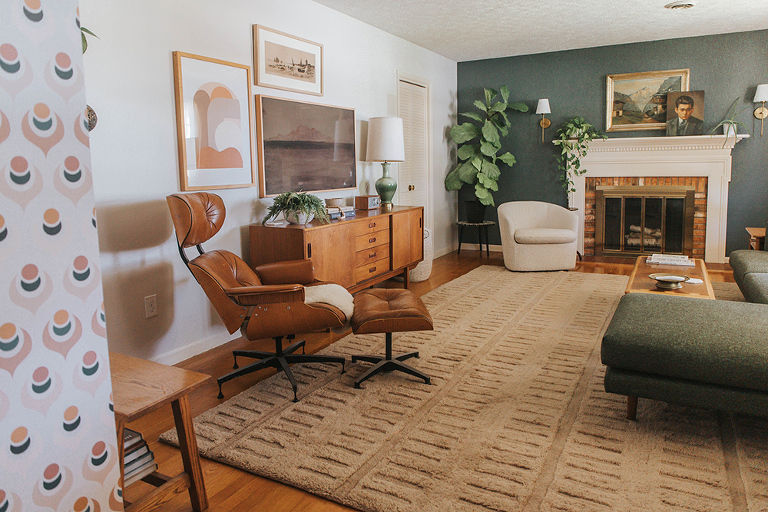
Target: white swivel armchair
{"type": "Point", "coordinates": [538, 236]}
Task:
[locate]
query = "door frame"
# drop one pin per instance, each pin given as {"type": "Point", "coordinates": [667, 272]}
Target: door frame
{"type": "Point", "coordinates": [426, 84]}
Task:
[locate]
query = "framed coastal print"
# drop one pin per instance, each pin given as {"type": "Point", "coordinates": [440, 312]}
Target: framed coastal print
{"type": "Point", "coordinates": [638, 101]}
{"type": "Point", "coordinates": [213, 123]}
{"type": "Point", "coordinates": [287, 62]}
{"type": "Point", "coordinates": [304, 147]}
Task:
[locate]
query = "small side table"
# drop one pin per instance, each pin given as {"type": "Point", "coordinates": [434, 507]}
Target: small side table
{"type": "Point", "coordinates": [756, 238]}
{"type": "Point", "coordinates": [140, 387]}
{"type": "Point", "coordinates": [482, 227]}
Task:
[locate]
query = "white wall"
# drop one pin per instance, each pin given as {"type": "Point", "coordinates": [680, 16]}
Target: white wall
{"type": "Point", "coordinates": [129, 82]}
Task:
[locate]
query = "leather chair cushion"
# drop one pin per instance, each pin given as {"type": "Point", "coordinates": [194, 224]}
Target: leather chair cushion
{"type": "Point", "coordinates": [389, 310]}
{"type": "Point", "coordinates": [196, 217]}
{"type": "Point", "coordinates": [544, 236]}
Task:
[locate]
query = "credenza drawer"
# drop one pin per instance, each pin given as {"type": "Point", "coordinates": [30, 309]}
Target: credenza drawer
{"type": "Point", "coordinates": [371, 255]}
{"type": "Point", "coordinates": [371, 270]}
{"type": "Point", "coordinates": [374, 239]}
{"type": "Point", "coordinates": [363, 227]}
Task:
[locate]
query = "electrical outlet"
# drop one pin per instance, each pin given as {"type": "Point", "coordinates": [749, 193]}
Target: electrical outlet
{"type": "Point", "coordinates": [150, 305]}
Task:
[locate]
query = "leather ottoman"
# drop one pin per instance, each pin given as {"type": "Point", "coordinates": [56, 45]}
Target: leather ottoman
{"type": "Point", "coordinates": [385, 310]}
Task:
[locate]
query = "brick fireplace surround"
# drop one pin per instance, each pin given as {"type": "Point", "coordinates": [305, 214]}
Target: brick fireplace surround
{"type": "Point", "coordinates": [700, 160]}
{"type": "Point", "coordinates": [699, 205]}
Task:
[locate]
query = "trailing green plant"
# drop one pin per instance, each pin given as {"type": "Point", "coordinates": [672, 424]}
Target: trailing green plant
{"type": "Point", "coordinates": [300, 202]}
{"type": "Point", "coordinates": [730, 119]}
{"type": "Point", "coordinates": [574, 138]}
{"type": "Point", "coordinates": [479, 142]}
{"type": "Point", "coordinates": [84, 31]}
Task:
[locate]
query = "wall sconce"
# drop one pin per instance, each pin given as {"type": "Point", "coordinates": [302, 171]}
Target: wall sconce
{"type": "Point", "coordinates": [761, 96]}
{"type": "Point", "coordinates": [543, 108]}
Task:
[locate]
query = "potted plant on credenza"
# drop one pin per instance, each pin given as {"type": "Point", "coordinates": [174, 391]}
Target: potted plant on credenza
{"type": "Point", "coordinates": [297, 208]}
{"type": "Point", "coordinates": [479, 142]}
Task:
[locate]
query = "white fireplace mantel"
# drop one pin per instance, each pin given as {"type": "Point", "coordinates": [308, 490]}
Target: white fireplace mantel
{"type": "Point", "coordinates": [697, 155]}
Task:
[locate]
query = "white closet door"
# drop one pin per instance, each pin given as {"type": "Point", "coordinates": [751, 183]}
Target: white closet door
{"type": "Point", "coordinates": [413, 182]}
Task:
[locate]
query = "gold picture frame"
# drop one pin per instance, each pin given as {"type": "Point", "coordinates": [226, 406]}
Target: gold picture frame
{"type": "Point", "coordinates": [638, 101]}
{"type": "Point", "coordinates": [214, 125]}
{"type": "Point", "coordinates": [286, 62]}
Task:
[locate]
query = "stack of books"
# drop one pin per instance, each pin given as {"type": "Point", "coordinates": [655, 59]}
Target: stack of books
{"type": "Point", "coordinates": [334, 212]}
{"type": "Point", "coordinates": [671, 259]}
{"type": "Point", "coordinates": [139, 459]}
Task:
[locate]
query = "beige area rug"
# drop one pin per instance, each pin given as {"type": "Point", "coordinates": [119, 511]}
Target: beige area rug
{"type": "Point", "coordinates": [516, 418]}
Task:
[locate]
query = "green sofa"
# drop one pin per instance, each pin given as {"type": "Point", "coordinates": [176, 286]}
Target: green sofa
{"type": "Point", "coordinates": [697, 352]}
{"type": "Point", "coordinates": [750, 270]}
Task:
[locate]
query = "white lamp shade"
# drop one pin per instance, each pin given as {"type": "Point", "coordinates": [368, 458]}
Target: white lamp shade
{"type": "Point", "coordinates": [761, 94]}
{"type": "Point", "coordinates": [385, 140]}
{"type": "Point", "coordinates": [543, 107]}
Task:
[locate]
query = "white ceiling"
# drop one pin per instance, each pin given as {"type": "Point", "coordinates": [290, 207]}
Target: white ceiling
{"type": "Point", "coordinates": [482, 29]}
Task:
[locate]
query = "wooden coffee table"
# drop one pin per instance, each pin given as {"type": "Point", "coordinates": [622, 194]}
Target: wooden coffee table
{"type": "Point", "coordinates": [639, 282]}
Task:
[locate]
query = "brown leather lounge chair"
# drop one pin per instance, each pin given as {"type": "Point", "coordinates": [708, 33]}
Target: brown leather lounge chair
{"type": "Point", "coordinates": [265, 303]}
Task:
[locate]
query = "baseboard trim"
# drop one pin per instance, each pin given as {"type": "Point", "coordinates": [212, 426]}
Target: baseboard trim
{"type": "Point", "coordinates": [183, 353]}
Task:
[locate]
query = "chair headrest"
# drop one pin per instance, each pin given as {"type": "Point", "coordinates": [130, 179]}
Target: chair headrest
{"type": "Point", "coordinates": [196, 217]}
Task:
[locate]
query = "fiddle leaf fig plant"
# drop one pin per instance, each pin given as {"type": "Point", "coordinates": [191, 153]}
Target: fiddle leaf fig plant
{"type": "Point", "coordinates": [574, 138]}
{"type": "Point", "coordinates": [479, 142]}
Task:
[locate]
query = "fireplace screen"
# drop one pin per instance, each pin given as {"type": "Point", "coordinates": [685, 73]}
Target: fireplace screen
{"type": "Point", "coordinates": [644, 219]}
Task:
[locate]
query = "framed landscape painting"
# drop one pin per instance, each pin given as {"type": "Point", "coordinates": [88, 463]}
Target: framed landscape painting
{"type": "Point", "coordinates": [304, 147]}
{"type": "Point", "coordinates": [213, 123]}
{"type": "Point", "coordinates": [287, 62]}
{"type": "Point", "coordinates": [638, 101]}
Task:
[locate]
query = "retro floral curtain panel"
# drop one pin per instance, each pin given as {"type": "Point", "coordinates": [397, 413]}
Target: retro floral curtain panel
{"type": "Point", "coordinates": [57, 431]}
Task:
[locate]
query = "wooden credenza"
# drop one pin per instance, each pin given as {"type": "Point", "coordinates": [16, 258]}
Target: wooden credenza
{"type": "Point", "coordinates": [356, 252]}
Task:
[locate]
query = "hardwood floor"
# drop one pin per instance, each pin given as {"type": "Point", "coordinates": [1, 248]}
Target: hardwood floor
{"type": "Point", "coordinates": [231, 489]}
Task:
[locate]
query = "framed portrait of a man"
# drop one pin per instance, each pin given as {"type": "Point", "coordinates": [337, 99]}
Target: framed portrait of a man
{"type": "Point", "coordinates": [685, 113]}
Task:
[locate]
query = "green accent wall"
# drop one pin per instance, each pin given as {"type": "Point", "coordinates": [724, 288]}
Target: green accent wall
{"type": "Point", "coordinates": [724, 66]}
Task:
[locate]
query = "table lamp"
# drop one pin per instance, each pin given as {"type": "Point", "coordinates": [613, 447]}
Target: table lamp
{"type": "Point", "coordinates": [385, 144]}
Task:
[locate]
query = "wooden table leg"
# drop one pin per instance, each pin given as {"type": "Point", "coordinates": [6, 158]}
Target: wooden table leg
{"type": "Point", "coordinates": [461, 233]}
{"type": "Point", "coordinates": [121, 454]}
{"type": "Point", "coordinates": [632, 408]}
{"type": "Point", "coordinates": [406, 277]}
{"type": "Point", "coordinates": [189, 454]}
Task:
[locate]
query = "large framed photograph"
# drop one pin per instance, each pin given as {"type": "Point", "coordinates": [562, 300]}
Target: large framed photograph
{"type": "Point", "coordinates": [638, 101]}
{"type": "Point", "coordinates": [287, 62]}
{"type": "Point", "coordinates": [304, 147]}
{"type": "Point", "coordinates": [213, 123]}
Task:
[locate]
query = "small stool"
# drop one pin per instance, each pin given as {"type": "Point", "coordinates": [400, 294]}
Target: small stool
{"type": "Point", "coordinates": [389, 310]}
{"type": "Point", "coordinates": [481, 227]}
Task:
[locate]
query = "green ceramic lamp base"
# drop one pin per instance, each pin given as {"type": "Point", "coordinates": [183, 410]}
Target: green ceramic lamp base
{"type": "Point", "coordinates": [386, 186]}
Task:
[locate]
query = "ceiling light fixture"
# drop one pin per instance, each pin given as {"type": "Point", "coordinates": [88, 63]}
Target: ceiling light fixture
{"type": "Point", "coordinates": [680, 4]}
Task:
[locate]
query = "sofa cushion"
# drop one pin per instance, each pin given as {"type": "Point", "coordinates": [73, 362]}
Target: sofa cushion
{"type": "Point", "coordinates": [746, 262]}
{"type": "Point", "coordinates": [544, 236]}
{"type": "Point", "coordinates": [719, 342]}
{"type": "Point", "coordinates": [754, 286]}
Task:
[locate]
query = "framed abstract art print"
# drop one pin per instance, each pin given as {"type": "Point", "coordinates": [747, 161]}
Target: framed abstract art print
{"type": "Point", "coordinates": [213, 123]}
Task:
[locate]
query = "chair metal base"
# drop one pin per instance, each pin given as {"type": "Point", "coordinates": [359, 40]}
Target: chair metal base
{"type": "Point", "coordinates": [388, 363]}
{"type": "Point", "coordinates": [279, 359]}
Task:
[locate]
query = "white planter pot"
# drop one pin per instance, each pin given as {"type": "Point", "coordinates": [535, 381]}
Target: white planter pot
{"type": "Point", "coordinates": [298, 217]}
{"type": "Point", "coordinates": [729, 130]}
{"type": "Point", "coordinates": [424, 269]}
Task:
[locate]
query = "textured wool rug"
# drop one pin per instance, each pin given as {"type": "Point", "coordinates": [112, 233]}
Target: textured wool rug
{"type": "Point", "coordinates": [516, 417]}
